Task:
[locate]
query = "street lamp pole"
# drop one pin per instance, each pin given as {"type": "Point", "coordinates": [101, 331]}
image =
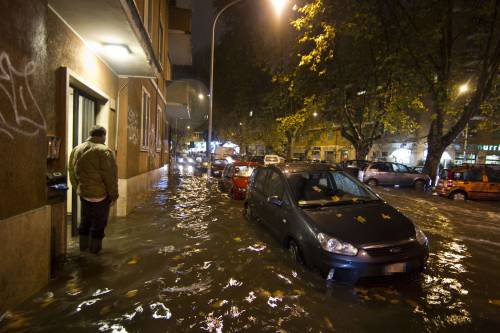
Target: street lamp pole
{"type": "Point", "coordinates": [210, 105]}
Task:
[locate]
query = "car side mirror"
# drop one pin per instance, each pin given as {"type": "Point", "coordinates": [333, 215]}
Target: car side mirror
{"type": "Point", "coordinates": [275, 200]}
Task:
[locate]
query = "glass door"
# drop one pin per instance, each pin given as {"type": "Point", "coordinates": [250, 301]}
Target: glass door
{"type": "Point", "coordinates": [81, 118]}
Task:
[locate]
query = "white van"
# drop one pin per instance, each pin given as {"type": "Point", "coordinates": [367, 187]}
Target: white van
{"type": "Point", "coordinates": [273, 159]}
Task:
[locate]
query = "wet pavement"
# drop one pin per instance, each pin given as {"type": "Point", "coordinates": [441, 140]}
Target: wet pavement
{"type": "Point", "coordinates": [187, 261]}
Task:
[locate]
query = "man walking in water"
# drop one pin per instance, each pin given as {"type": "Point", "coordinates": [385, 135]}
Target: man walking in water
{"type": "Point", "coordinates": [93, 172]}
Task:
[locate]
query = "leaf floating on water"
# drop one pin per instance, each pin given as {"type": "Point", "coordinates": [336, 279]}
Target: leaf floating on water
{"type": "Point", "coordinates": [494, 302]}
{"type": "Point", "coordinates": [132, 293]}
{"type": "Point", "coordinates": [360, 219]}
{"type": "Point", "coordinates": [379, 297]}
{"type": "Point", "coordinates": [177, 257]}
{"type": "Point", "coordinates": [328, 323]}
{"type": "Point", "coordinates": [339, 215]}
{"type": "Point", "coordinates": [264, 293]}
{"type": "Point", "coordinates": [299, 292]}
{"type": "Point", "coordinates": [15, 321]}
{"type": "Point", "coordinates": [134, 260]}
{"type": "Point", "coordinates": [278, 293]}
{"type": "Point", "coordinates": [237, 239]}
{"type": "Point", "coordinates": [105, 310]}
{"type": "Point", "coordinates": [386, 216]}
{"type": "Point", "coordinates": [394, 301]}
{"type": "Point", "coordinates": [335, 198]}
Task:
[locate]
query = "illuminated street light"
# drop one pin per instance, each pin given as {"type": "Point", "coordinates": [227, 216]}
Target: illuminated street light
{"type": "Point", "coordinates": [279, 5]}
{"type": "Point", "coordinates": [201, 97]}
{"type": "Point", "coordinates": [251, 113]}
{"type": "Point", "coordinates": [241, 124]}
{"type": "Point", "coordinates": [463, 88]}
{"type": "Point", "coordinates": [188, 127]}
{"type": "Point", "coordinates": [315, 114]}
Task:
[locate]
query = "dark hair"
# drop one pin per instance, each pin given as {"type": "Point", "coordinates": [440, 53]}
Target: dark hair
{"type": "Point", "coordinates": [97, 131]}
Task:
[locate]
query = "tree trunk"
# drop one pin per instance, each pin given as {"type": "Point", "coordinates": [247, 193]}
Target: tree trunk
{"type": "Point", "coordinates": [362, 150]}
{"type": "Point", "coordinates": [289, 141]}
{"type": "Point", "coordinates": [434, 152]}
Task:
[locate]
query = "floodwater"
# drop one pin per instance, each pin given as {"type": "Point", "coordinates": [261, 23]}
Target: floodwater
{"type": "Point", "coordinates": [187, 261]}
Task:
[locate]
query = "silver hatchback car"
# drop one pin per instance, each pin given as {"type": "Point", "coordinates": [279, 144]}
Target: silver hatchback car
{"type": "Point", "coordinates": [386, 173]}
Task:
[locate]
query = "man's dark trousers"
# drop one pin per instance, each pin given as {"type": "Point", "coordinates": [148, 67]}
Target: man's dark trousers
{"type": "Point", "coordinates": [93, 221]}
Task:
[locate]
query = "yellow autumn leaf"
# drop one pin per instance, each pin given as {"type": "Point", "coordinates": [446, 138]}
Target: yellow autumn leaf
{"type": "Point", "coordinates": [237, 239]}
{"type": "Point", "coordinates": [278, 293]}
{"type": "Point", "coordinates": [386, 216]}
{"type": "Point", "coordinates": [335, 198]}
{"type": "Point", "coordinates": [360, 219]}
{"type": "Point", "coordinates": [132, 293]}
{"type": "Point", "coordinates": [494, 302]}
{"type": "Point", "coordinates": [177, 257]}
{"type": "Point", "coordinates": [133, 261]}
{"type": "Point", "coordinates": [105, 310]}
{"type": "Point", "coordinates": [328, 323]}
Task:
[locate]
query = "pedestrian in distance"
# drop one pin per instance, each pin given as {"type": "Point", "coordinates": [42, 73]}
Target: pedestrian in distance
{"type": "Point", "coordinates": [93, 173]}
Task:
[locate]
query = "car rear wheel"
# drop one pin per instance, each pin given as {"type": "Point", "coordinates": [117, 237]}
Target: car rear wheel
{"type": "Point", "coordinates": [372, 182]}
{"type": "Point", "coordinates": [419, 185]}
{"type": "Point", "coordinates": [458, 196]}
{"type": "Point", "coordinates": [295, 252]}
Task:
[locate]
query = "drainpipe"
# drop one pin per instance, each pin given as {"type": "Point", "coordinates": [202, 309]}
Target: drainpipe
{"type": "Point", "coordinates": [118, 115]}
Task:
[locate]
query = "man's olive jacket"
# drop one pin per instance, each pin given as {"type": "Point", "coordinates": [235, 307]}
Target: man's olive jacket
{"type": "Point", "coordinates": [93, 171]}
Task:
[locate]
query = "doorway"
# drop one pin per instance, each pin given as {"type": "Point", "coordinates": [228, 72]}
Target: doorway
{"type": "Point", "coordinates": [82, 115]}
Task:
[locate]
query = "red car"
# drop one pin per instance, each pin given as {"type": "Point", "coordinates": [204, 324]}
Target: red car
{"type": "Point", "coordinates": [234, 179]}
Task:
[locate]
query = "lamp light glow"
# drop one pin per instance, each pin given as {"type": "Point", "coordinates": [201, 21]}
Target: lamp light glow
{"type": "Point", "coordinates": [279, 5]}
{"type": "Point", "coordinates": [463, 88]}
{"type": "Point", "coordinates": [118, 51]}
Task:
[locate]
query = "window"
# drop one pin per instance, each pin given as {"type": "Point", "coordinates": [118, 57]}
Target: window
{"type": "Point", "coordinates": [160, 43]}
{"type": "Point", "coordinates": [145, 116]}
{"type": "Point", "coordinates": [381, 167]}
{"type": "Point", "coordinates": [400, 168]}
{"type": "Point", "coordinates": [158, 128]}
{"type": "Point", "coordinates": [275, 186]}
{"type": "Point", "coordinates": [260, 179]}
{"type": "Point", "coordinates": [148, 15]}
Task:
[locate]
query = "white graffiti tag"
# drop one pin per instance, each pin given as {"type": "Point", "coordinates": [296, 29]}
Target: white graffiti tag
{"type": "Point", "coordinates": [24, 117]}
{"type": "Point", "coordinates": [133, 127]}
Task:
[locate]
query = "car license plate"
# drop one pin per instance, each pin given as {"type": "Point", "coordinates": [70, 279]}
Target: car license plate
{"type": "Point", "coordinates": [399, 267]}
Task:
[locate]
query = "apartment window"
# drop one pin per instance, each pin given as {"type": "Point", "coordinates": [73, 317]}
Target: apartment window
{"type": "Point", "coordinates": [145, 116]}
{"type": "Point", "coordinates": [158, 128]}
{"type": "Point", "coordinates": [160, 43]}
{"type": "Point", "coordinates": [148, 15]}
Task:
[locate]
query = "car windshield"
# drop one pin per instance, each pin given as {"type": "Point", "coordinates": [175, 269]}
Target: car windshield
{"type": "Point", "coordinates": [244, 171]}
{"type": "Point", "coordinates": [324, 188]}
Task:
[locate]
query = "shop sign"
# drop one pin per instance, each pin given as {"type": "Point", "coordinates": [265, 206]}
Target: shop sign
{"type": "Point", "coordinates": [484, 147]}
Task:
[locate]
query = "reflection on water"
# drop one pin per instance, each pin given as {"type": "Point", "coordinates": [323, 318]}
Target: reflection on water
{"type": "Point", "coordinates": [187, 260]}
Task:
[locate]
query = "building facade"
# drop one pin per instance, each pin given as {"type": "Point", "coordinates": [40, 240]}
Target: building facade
{"type": "Point", "coordinates": [66, 66]}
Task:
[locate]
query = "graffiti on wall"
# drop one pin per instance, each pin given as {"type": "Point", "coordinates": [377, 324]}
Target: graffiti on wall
{"type": "Point", "coordinates": [133, 127]}
{"type": "Point", "coordinates": [23, 116]}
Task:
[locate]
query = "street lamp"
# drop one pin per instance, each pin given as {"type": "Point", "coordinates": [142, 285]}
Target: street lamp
{"type": "Point", "coordinates": [315, 114]}
{"type": "Point", "coordinates": [278, 6]}
{"type": "Point", "coordinates": [201, 97]}
{"type": "Point", "coordinates": [463, 88]}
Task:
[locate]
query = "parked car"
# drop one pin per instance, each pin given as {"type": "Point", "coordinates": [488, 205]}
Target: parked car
{"type": "Point", "coordinates": [418, 168]}
{"type": "Point", "coordinates": [470, 182]}
{"type": "Point", "coordinates": [273, 159]}
{"type": "Point", "coordinates": [332, 222]}
{"type": "Point", "coordinates": [234, 179]}
{"type": "Point", "coordinates": [218, 166]}
{"type": "Point", "coordinates": [353, 167]}
{"type": "Point", "coordinates": [387, 173]}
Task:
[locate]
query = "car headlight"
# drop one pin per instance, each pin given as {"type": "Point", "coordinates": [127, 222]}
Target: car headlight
{"type": "Point", "coordinates": [190, 160]}
{"type": "Point", "coordinates": [205, 164]}
{"type": "Point", "coordinates": [333, 245]}
{"type": "Point", "coordinates": [421, 237]}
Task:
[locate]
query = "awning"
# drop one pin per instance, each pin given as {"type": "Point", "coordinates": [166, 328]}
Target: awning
{"type": "Point", "coordinates": [113, 30]}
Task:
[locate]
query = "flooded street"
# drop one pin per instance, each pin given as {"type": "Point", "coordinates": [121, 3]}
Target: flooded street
{"type": "Point", "coordinates": [187, 260]}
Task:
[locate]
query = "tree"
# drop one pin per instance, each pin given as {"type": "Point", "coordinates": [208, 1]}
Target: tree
{"type": "Point", "coordinates": [346, 64]}
{"type": "Point", "coordinates": [447, 44]}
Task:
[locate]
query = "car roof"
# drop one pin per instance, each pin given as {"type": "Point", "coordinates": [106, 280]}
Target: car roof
{"type": "Point", "coordinates": [294, 167]}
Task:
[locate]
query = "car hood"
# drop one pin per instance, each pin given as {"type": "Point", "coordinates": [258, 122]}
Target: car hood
{"type": "Point", "coordinates": [363, 223]}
